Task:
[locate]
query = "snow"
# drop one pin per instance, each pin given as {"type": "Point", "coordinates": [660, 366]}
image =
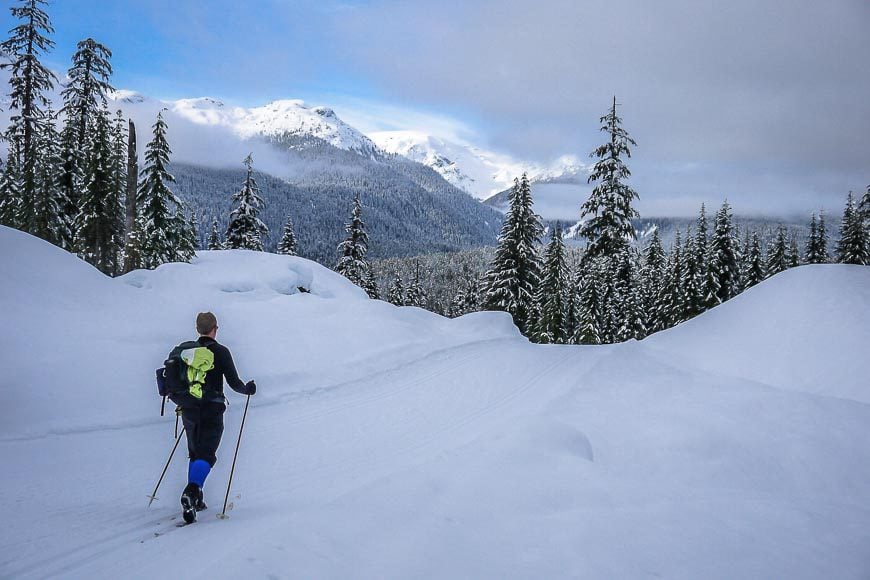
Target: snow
{"type": "Point", "coordinates": [389, 442]}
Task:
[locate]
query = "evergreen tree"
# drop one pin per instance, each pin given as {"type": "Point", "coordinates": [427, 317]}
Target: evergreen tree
{"type": "Point", "coordinates": [823, 239]}
{"type": "Point", "coordinates": [352, 263]}
{"type": "Point", "coordinates": [693, 277]}
{"type": "Point", "coordinates": [155, 225]}
{"type": "Point", "coordinates": [589, 304]}
{"type": "Point", "coordinates": [396, 292]}
{"type": "Point", "coordinates": [653, 276]}
{"type": "Point", "coordinates": [10, 193]}
{"type": "Point", "coordinates": [853, 247]}
{"type": "Point", "coordinates": [609, 228]}
{"type": "Point", "coordinates": [185, 232]}
{"type": "Point", "coordinates": [48, 202]}
{"type": "Point", "coordinates": [515, 273]}
{"type": "Point", "coordinates": [30, 80]}
{"type": "Point", "coordinates": [813, 248]}
{"type": "Point", "coordinates": [793, 257]}
{"type": "Point", "coordinates": [697, 267]}
{"type": "Point", "coordinates": [723, 264]}
{"type": "Point", "coordinates": [754, 272]}
{"type": "Point", "coordinates": [214, 238]}
{"type": "Point", "coordinates": [672, 301]}
{"type": "Point", "coordinates": [100, 221]}
{"type": "Point", "coordinates": [572, 304]}
{"type": "Point", "coordinates": [777, 254]}
{"type": "Point", "coordinates": [245, 230]}
{"type": "Point", "coordinates": [84, 99]}
{"type": "Point", "coordinates": [415, 295]}
{"type": "Point", "coordinates": [626, 309]}
{"type": "Point", "coordinates": [551, 297]}
{"type": "Point", "coordinates": [287, 245]}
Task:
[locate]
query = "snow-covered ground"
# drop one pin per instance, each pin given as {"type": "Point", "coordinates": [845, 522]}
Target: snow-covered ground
{"type": "Point", "coordinates": [391, 443]}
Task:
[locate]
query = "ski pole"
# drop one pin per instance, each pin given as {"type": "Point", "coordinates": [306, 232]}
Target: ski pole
{"type": "Point", "coordinates": [153, 496]}
{"type": "Point", "coordinates": [223, 515]}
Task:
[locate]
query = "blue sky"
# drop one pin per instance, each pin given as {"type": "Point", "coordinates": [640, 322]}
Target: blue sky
{"type": "Point", "coordinates": [743, 99]}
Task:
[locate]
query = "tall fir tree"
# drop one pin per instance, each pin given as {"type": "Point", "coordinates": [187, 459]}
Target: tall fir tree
{"type": "Point", "coordinates": [793, 257]}
{"type": "Point", "coordinates": [287, 245]}
{"type": "Point", "coordinates": [854, 246]}
{"type": "Point", "coordinates": [155, 224]}
{"type": "Point", "coordinates": [185, 232]}
{"type": "Point", "coordinates": [609, 206]}
{"type": "Point", "coordinates": [396, 292]}
{"type": "Point", "coordinates": [823, 239]}
{"type": "Point", "coordinates": [653, 276]}
{"type": "Point", "coordinates": [513, 277]}
{"type": "Point", "coordinates": [590, 303]}
{"type": "Point", "coordinates": [415, 295]}
{"type": "Point", "coordinates": [30, 81]}
{"type": "Point", "coordinates": [352, 262]}
{"type": "Point", "coordinates": [723, 261]}
{"type": "Point", "coordinates": [10, 193]}
{"type": "Point", "coordinates": [813, 249]}
{"type": "Point", "coordinates": [49, 201]}
{"type": "Point", "coordinates": [100, 221]}
{"type": "Point", "coordinates": [245, 230]}
{"type": "Point", "coordinates": [84, 99]}
{"type": "Point", "coordinates": [551, 326]}
{"type": "Point", "coordinates": [214, 238]}
{"type": "Point", "coordinates": [755, 270]}
{"type": "Point", "coordinates": [777, 253]}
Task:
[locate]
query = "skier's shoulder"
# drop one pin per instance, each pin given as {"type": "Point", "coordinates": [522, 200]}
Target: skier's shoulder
{"type": "Point", "coordinates": [217, 348]}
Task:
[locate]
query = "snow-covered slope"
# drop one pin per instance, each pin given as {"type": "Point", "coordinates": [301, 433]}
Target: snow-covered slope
{"type": "Point", "coordinates": [480, 172]}
{"type": "Point", "coordinates": [391, 443]}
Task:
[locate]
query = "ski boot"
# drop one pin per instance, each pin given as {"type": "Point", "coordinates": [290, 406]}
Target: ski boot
{"type": "Point", "coordinates": [191, 497]}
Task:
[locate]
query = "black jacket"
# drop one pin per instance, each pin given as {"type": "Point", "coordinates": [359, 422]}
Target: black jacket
{"type": "Point", "coordinates": [223, 368]}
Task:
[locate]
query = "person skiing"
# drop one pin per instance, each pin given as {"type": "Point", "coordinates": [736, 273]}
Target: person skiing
{"type": "Point", "coordinates": [203, 406]}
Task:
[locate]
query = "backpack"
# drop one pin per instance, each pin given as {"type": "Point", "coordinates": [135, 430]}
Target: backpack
{"type": "Point", "coordinates": [184, 370]}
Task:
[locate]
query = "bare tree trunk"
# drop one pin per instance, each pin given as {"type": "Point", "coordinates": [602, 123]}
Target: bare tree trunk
{"type": "Point", "coordinates": [131, 251]}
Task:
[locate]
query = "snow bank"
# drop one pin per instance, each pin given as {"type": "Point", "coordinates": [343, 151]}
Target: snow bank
{"type": "Point", "coordinates": [801, 329]}
{"type": "Point", "coordinates": [91, 343]}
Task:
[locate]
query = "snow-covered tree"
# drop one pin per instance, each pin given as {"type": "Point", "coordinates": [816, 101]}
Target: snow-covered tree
{"type": "Point", "coordinates": [415, 295]}
{"type": "Point", "coordinates": [100, 222]}
{"type": "Point", "coordinates": [550, 326]}
{"type": "Point", "coordinates": [754, 270]}
{"type": "Point", "coordinates": [84, 99]}
{"type": "Point", "coordinates": [214, 238]}
{"type": "Point", "coordinates": [590, 305]}
{"type": "Point", "coordinates": [777, 253]}
{"type": "Point", "coordinates": [793, 256]}
{"type": "Point", "coordinates": [723, 261]}
{"type": "Point", "coordinates": [352, 263]}
{"type": "Point", "coordinates": [513, 277]}
{"type": "Point", "coordinates": [185, 232]}
{"type": "Point", "coordinates": [30, 81]}
{"type": "Point", "coordinates": [854, 246]}
{"type": "Point", "coordinates": [287, 245]}
{"type": "Point", "coordinates": [608, 228]}
{"type": "Point", "coordinates": [653, 276]}
{"type": "Point", "coordinates": [396, 292]}
{"type": "Point", "coordinates": [625, 307]}
{"type": "Point", "coordinates": [246, 230]}
{"type": "Point", "coordinates": [813, 248]}
{"type": "Point", "coordinates": [155, 224]}
{"type": "Point", "coordinates": [10, 193]}
{"type": "Point", "coordinates": [48, 222]}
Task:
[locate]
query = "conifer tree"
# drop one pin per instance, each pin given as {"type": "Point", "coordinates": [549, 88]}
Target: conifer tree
{"type": "Point", "coordinates": [185, 232]}
{"type": "Point", "coordinates": [853, 247]}
{"type": "Point", "coordinates": [287, 245]}
{"type": "Point", "coordinates": [793, 257]}
{"type": "Point", "coordinates": [29, 80]}
{"type": "Point", "coordinates": [100, 221]}
{"type": "Point", "coordinates": [692, 281]}
{"type": "Point", "coordinates": [214, 238]}
{"type": "Point", "coordinates": [813, 249]}
{"type": "Point", "coordinates": [572, 304]}
{"type": "Point", "coordinates": [723, 263]}
{"type": "Point", "coordinates": [245, 230]}
{"type": "Point", "coordinates": [415, 295]}
{"type": "Point", "coordinates": [84, 99]}
{"type": "Point", "coordinates": [396, 292]}
{"type": "Point", "coordinates": [653, 276]}
{"type": "Point", "coordinates": [626, 312]}
{"type": "Point", "coordinates": [131, 241]}
{"type": "Point", "coordinates": [48, 202]}
{"type": "Point", "coordinates": [513, 277]}
{"type": "Point", "coordinates": [823, 239]}
{"type": "Point", "coordinates": [551, 325]}
{"type": "Point", "coordinates": [352, 263]}
{"type": "Point", "coordinates": [10, 193]}
{"type": "Point", "coordinates": [590, 304]}
{"type": "Point", "coordinates": [609, 227]}
{"type": "Point", "coordinates": [754, 272]}
{"type": "Point", "coordinates": [777, 253]}
{"type": "Point", "coordinates": [155, 225]}
{"type": "Point", "coordinates": [672, 304]}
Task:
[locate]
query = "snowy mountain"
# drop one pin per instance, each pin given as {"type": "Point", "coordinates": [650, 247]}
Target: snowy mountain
{"type": "Point", "coordinates": [389, 442]}
{"type": "Point", "coordinates": [480, 172]}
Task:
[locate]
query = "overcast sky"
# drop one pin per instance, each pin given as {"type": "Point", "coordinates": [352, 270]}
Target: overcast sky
{"type": "Point", "coordinates": [766, 103]}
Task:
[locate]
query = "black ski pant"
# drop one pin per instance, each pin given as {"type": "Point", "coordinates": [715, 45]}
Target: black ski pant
{"type": "Point", "coordinates": [204, 424]}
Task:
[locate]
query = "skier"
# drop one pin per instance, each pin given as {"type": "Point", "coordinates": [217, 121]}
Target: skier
{"type": "Point", "coordinates": [203, 415]}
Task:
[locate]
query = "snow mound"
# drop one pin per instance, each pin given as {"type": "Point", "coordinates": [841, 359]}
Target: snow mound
{"type": "Point", "coordinates": [796, 330]}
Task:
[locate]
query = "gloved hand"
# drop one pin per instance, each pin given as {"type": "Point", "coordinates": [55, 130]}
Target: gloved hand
{"type": "Point", "coordinates": [251, 387]}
